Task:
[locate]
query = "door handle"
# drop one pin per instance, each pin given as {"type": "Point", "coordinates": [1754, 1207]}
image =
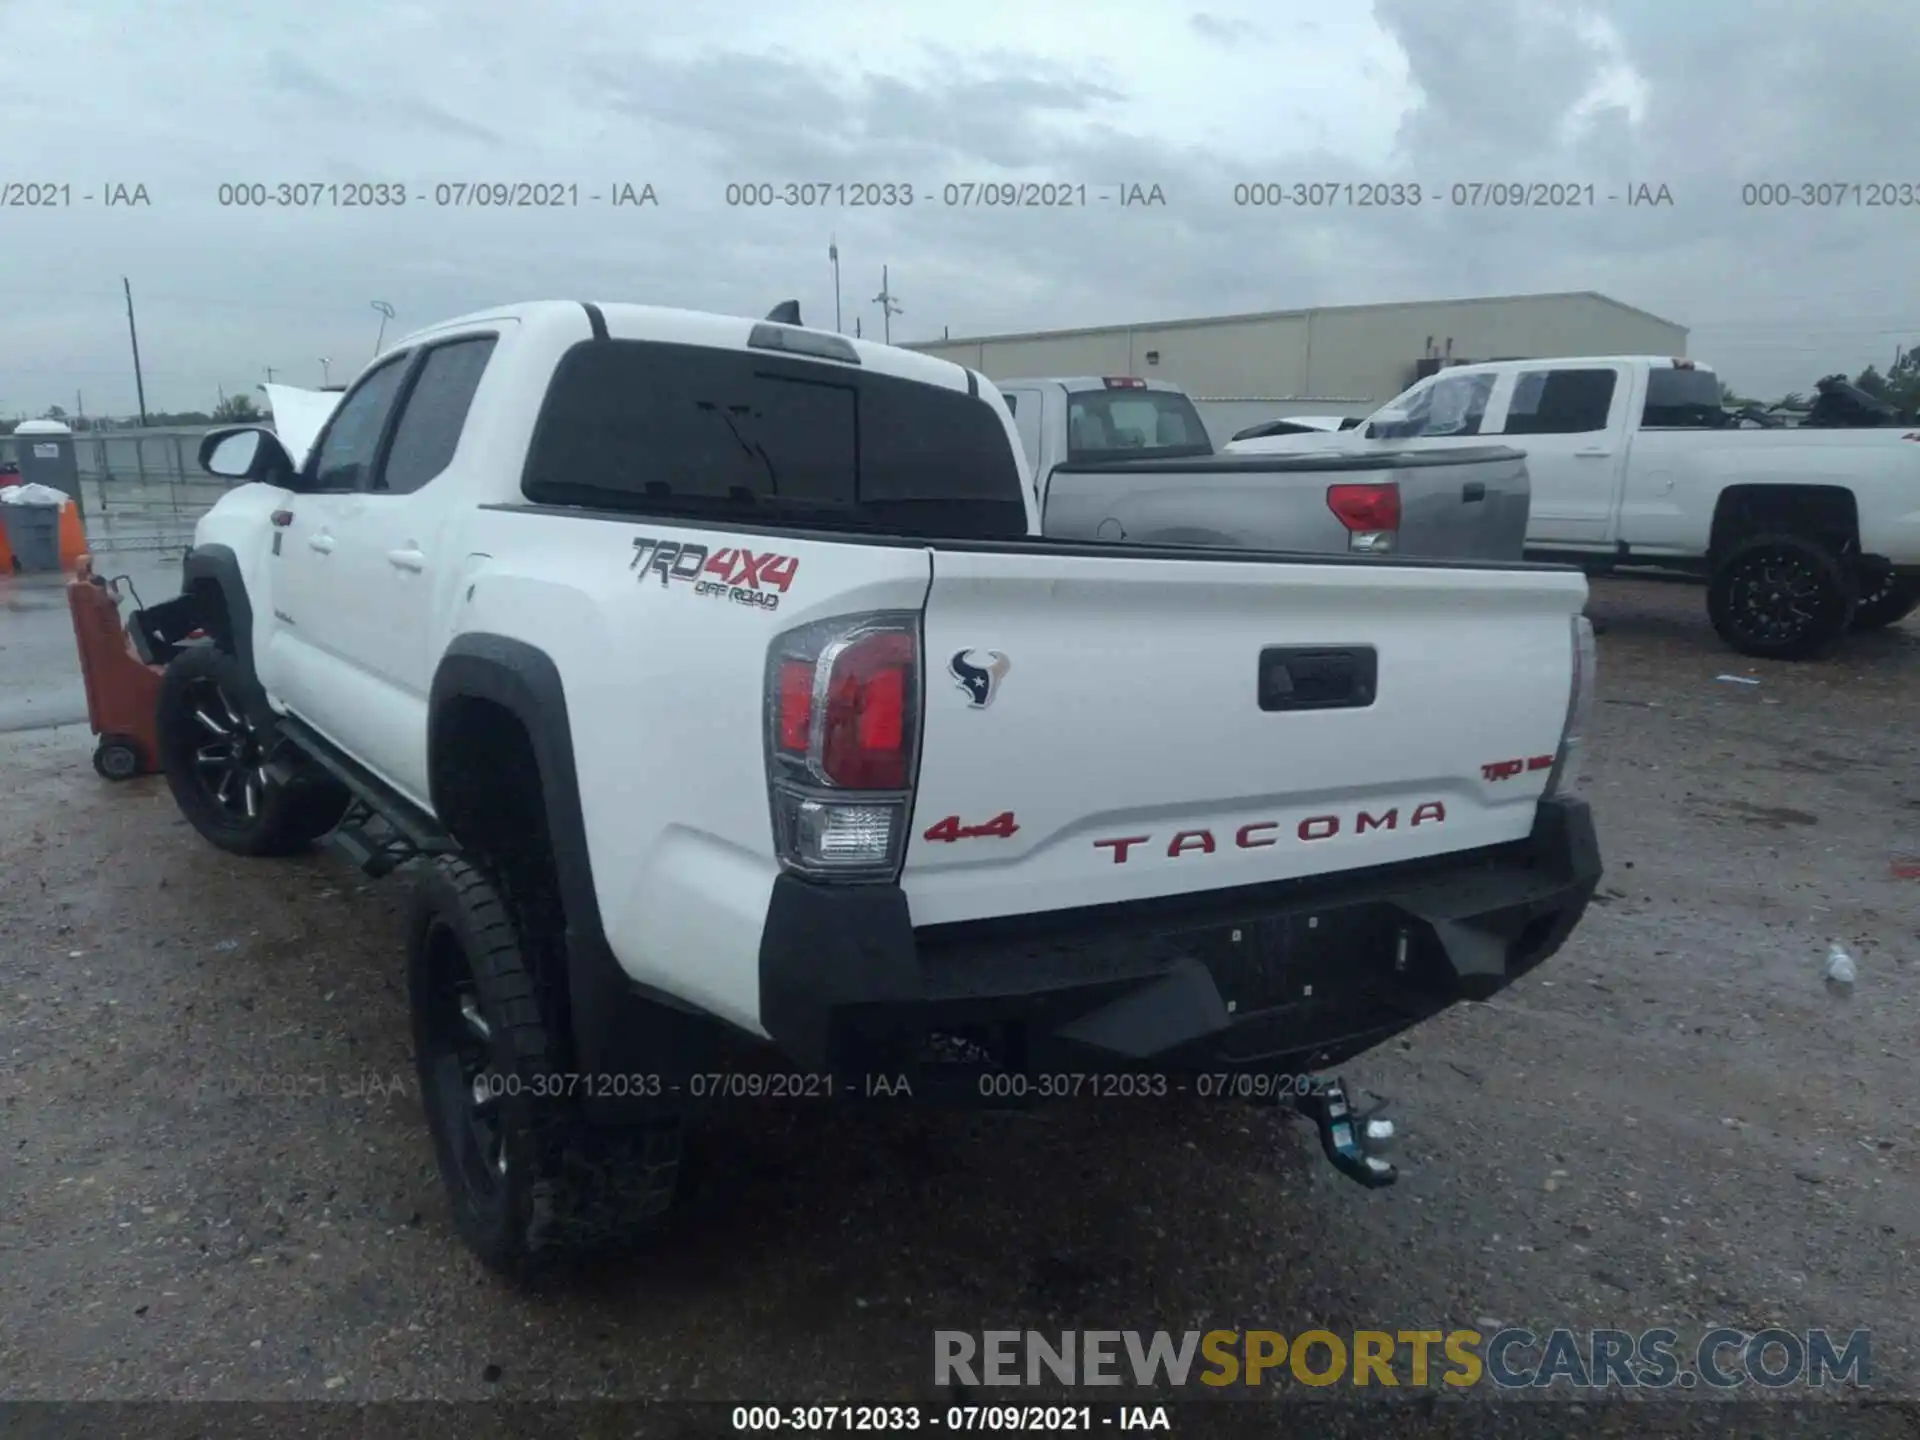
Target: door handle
{"type": "Point", "coordinates": [321, 542]}
{"type": "Point", "coordinates": [1473, 490]}
{"type": "Point", "coordinates": [1596, 453]}
{"type": "Point", "coordinates": [407, 559]}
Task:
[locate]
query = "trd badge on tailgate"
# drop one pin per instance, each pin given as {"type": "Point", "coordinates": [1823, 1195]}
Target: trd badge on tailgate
{"type": "Point", "coordinates": [732, 573]}
{"type": "Point", "coordinates": [978, 672]}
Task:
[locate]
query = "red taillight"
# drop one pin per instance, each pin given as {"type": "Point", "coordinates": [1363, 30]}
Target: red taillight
{"type": "Point", "coordinates": [796, 704]}
{"type": "Point", "coordinates": [1124, 382]}
{"type": "Point", "coordinates": [865, 742]}
{"type": "Point", "coordinates": [842, 737]}
{"type": "Point", "coordinates": [1365, 507]}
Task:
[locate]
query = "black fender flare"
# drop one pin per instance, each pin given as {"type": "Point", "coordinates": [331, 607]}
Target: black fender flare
{"type": "Point", "coordinates": [523, 680]}
{"type": "Point", "coordinates": [219, 566]}
{"type": "Point", "coordinates": [617, 1027]}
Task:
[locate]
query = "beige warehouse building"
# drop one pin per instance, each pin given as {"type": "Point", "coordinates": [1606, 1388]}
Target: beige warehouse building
{"type": "Point", "coordinates": [1342, 359]}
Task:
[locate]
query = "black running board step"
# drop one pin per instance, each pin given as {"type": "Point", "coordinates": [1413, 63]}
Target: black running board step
{"type": "Point", "coordinates": [377, 858]}
{"type": "Point", "coordinates": [408, 820]}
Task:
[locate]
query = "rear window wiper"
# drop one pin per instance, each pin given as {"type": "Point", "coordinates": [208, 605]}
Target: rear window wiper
{"type": "Point", "coordinates": [754, 448]}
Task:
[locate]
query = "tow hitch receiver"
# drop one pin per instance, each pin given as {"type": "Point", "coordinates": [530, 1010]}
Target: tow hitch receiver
{"type": "Point", "coordinates": [1351, 1141]}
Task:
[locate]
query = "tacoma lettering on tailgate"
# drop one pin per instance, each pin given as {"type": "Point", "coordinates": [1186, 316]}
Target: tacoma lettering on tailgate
{"type": "Point", "coordinates": [1261, 833]}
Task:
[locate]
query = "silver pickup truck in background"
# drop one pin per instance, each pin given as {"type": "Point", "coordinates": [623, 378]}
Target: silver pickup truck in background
{"type": "Point", "coordinates": [1120, 458]}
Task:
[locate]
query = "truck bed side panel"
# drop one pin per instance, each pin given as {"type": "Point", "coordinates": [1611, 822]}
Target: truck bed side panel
{"type": "Point", "coordinates": [665, 694]}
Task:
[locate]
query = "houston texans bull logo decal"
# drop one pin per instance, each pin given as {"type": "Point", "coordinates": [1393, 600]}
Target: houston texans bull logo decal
{"type": "Point", "coordinates": [978, 679]}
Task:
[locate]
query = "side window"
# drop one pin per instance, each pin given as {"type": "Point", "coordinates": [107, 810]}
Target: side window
{"type": "Point", "coordinates": [1452, 405]}
{"type": "Point", "coordinates": [1013, 402]}
{"type": "Point", "coordinates": [1560, 402]}
{"type": "Point", "coordinates": [346, 453]}
{"type": "Point", "coordinates": [435, 412]}
{"type": "Point", "coordinates": [1026, 424]}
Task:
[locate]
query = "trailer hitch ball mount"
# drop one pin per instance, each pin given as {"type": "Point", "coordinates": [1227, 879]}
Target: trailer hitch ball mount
{"type": "Point", "coordinates": [1353, 1141]}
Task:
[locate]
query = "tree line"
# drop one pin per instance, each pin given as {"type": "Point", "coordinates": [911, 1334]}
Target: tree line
{"type": "Point", "coordinates": [232, 410]}
{"type": "Point", "coordinates": [1899, 386]}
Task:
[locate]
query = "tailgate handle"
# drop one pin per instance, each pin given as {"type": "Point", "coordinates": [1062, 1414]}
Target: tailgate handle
{"type": "Point", "coordinates": [1310, 677]}
{"type": "Point", "coordinates": [1473, 490]}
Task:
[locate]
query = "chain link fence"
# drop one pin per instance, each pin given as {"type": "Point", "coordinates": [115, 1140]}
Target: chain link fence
{"type": "Point", "coordinates": [144, 489]}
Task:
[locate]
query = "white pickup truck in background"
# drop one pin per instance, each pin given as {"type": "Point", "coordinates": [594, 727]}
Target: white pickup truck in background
{"type": "Point", "coordinates": [715, 679]}
{"type": "Point", "coordinates": [1120, 458]}
{"type": "Point", "coordinates": [1801, 534]}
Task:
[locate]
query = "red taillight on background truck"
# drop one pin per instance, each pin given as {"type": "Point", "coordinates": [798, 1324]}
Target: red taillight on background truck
{"type": "Point", "coordinates": [843, 723]}
{"type": "Point", "coordinates": [1371, 514]}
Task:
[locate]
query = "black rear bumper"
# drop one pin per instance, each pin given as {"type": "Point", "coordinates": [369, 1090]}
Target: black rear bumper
{"type": "Point", "coordinates": [1292, 977]}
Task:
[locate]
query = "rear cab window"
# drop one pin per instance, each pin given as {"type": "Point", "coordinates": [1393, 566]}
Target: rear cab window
{"type": "Point", "coordinates": [1682, 400]}
{"type": "Point", "coordinates": [702, 432]}
{"type": "Point", "coordinates": [1127, 424]}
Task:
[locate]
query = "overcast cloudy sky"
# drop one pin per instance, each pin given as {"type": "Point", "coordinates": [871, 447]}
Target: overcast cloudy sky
{"type": "Point", "coordinates": [1701, 96]}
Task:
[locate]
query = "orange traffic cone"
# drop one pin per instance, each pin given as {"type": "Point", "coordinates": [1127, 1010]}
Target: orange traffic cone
{"type": "Point", "coordinates": [73, 536]}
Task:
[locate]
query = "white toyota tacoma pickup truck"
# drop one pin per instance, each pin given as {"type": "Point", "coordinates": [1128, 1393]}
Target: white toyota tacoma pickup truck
{"type": "Point", "coordinates": [744, 738]}
{"type": "Point", "coordinates": [1801, 535]}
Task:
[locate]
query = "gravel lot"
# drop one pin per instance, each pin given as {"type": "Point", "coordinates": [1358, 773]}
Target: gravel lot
{"type": "Point", "coordinates": [1671, 1123]}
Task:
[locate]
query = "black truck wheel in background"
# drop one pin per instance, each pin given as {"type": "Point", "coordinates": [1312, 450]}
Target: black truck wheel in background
{"type": "Point", "coordinates": [531, 1185]}
{"type": "Point", "coordinates": [1781, 597]}
{"type": "Point", "coordinates": [1888, 603]}
{"type": "Point", "coordinates": [216, 738]}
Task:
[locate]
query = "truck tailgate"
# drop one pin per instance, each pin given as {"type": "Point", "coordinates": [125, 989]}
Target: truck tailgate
{"type": "Point", "coordinates": [1095, 729]}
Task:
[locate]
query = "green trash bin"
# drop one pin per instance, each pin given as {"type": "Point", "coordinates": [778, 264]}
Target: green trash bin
{"type": "Point", "coordinates": [33, 534]}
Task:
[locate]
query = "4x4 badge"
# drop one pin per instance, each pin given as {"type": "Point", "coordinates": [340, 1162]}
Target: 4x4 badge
{"type": "Point", "coordinates": [977, 679]}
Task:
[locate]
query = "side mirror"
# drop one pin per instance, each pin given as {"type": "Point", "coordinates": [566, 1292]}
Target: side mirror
{"type": "Point", "coordinates": [1383, 418]}
{"type": "Point", "coordinates": [246, 453]}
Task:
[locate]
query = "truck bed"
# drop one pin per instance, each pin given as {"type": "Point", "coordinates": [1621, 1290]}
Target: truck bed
{"type": "Point", "coordinates": [1454, 503]}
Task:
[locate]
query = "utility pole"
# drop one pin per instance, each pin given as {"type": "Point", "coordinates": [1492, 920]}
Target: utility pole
{"type": "Point", "coordinates": [888, 309]}
{"type": "Point", "coordinates": [856, 327]}
{"type": "Point", "coordinates": [269, 370]}
{"type": "Point", "coordinates": [833, 254]}
{"type": "Point", "coordinates": [139, 383]}
{"type": "Point", "coordinates": [325, 378]}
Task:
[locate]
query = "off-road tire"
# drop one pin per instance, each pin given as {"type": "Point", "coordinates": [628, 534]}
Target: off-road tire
{"type": "Point", "coordinates": [1888, 604]}
{"type": "Point", "coordinates": [540, 1188]}
{"type": "Point", "coordinates": [208, 706]}
{"type": "Point", "coordinates": [1781, 597]}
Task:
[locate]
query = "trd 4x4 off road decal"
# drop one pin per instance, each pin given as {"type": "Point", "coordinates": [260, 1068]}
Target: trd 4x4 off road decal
{"type": "Point", "coordinates": [1507, 769]}
{"type": "Point", "coordinates": [742, 576]}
